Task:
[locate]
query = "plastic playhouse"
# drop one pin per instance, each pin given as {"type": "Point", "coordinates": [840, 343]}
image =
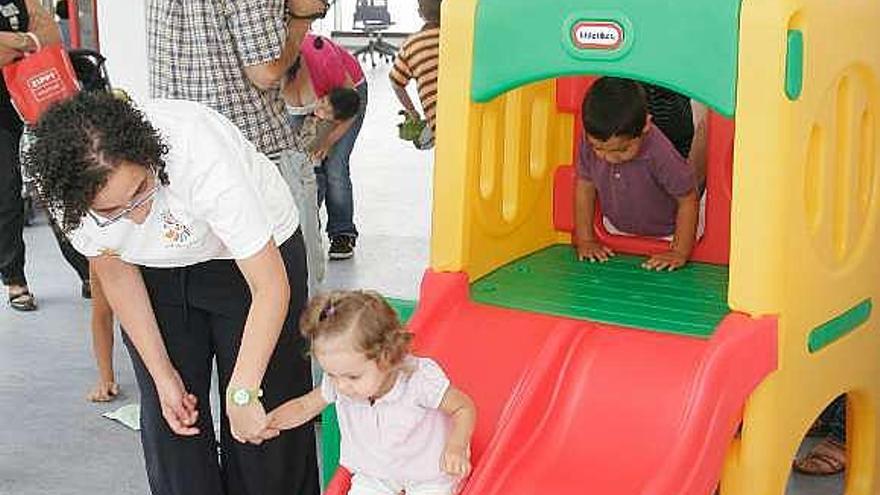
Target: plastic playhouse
{"type": "Point", "coordinates": [609, 379]}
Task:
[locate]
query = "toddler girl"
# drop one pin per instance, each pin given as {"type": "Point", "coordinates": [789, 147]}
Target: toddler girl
{"type": "Point", "coordinates": [404, 427]}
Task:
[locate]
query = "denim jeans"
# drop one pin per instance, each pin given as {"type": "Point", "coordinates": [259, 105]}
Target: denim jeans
{"type": "Point", "coordinates": [334, 179]}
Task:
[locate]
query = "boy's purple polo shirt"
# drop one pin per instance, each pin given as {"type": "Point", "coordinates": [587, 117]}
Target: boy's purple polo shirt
{"type": "Point", "coordinates": [639, 196]}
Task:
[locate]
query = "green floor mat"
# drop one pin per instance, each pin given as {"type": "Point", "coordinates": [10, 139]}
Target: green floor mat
{"type": "Point", "coordinates": [690, 301]}
{"type": "Point", "coordinates": [329, 424]}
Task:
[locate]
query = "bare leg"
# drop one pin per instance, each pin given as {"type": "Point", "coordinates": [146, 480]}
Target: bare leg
{"type": "Point", "coordinates": [105, 389]}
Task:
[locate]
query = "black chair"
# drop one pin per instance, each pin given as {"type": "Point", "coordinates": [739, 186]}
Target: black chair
{"type": "Point", "coordinates": [372, 17]}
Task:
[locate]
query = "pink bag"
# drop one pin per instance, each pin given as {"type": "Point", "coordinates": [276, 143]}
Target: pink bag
{"type": "Point", "coordinates": [38, 80]}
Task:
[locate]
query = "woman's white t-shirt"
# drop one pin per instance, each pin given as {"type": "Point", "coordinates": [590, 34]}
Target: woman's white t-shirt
{"type": "Point", "coordinates": [225, 199]}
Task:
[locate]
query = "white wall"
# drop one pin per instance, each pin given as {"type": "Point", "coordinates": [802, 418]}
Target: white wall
{"type": "Point", "coordinates": [122, 32]}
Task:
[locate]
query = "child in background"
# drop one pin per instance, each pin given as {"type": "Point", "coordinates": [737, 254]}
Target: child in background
{"type": "Point", "coordinates": [418, 59]}
{"type": "Point", "coordinates": [404, 427]}
{"type": "Point", "coordinates": [644, 185]}
{"type": "Point", "coordinates": [106, 389]}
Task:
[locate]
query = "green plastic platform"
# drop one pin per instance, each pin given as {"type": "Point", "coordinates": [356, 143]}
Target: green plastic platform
{"type": "Point", "coordinates": [689, 301]}
{"type": "Point", "coordinates": [329, 425]}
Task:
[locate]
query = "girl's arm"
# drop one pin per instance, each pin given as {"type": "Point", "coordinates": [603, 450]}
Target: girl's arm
{"type": "Point", "coordinates": [296, 412]}
{"type": "Point", "coordinates": [456, 455]}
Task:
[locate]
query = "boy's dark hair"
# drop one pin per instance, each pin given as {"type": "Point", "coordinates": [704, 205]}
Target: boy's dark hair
{"type": "Point", "coordinates": [346, 103]}
{"type": "Point", "coordinates": [430, 10]}
{"type": "Point", "coordinates": [614, 107]}
{"type": "Point", "coordinates": [77, 145]}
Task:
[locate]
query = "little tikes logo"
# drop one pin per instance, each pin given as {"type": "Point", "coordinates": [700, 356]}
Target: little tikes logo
{"type": "Point", "coordinates": [593, 35]}
{"type": "Point", "coordinates": [46, 84]}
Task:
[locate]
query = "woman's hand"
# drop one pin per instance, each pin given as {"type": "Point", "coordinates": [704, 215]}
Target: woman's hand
{"type": "Point", "coordinates": [179, 407]}
{"type": "Point", "coordinates": [249, 423]}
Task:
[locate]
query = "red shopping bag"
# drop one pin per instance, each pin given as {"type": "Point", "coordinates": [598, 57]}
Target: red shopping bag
{"type": "Point", "coordinates": [39, 80]}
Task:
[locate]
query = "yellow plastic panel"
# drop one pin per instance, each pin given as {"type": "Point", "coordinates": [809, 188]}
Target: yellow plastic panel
{"type": "Point", "coordinates": [458, 129]}
{"type": "Point", "coordinates": [495, 162]}
{"type": "Point", "coordinates": [804, 232]}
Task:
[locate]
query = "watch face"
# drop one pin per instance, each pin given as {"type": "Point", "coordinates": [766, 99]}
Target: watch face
{"type": "Point", "coordinates": [241, 397]}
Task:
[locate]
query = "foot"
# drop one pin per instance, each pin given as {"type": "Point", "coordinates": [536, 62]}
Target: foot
{"type": "Point", "coordinates": [827, 458]}
{"type": "Point", "coordinates": [103, 391]}
{"type": "Point", "coordinates": [20, 298]}
{"type": "Point", "coordinates": [342, 247]}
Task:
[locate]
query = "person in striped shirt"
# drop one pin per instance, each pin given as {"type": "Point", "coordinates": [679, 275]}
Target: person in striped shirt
{"type": "Point", "coordinates": [418, 58]}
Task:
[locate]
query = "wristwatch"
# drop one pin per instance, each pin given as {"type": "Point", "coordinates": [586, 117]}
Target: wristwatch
{"type": "Point", "coordinates": [244, 396]}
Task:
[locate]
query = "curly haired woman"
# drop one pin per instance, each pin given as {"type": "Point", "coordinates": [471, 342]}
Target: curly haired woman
{"type": "Point", "coordinates": [195, 239]}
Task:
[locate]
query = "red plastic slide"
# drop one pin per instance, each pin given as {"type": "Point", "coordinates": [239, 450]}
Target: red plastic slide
{"type": "Point", "coordinates": [573, 407]}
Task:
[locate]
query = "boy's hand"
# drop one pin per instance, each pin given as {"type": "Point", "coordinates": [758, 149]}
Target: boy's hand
{"type": "Point", "coordinates": [670, 260]}
{"type": "Point", "coordinates": [593, 251]}
{"type": "Point", "coordinates": [456, 460]}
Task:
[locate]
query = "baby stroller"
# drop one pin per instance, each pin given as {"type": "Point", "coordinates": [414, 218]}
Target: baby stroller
{"type": "Point", "coordinates": [91, 71]}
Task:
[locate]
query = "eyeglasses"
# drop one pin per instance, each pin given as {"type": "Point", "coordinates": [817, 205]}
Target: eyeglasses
{"type": "Point", "coordinates": [130, 207]}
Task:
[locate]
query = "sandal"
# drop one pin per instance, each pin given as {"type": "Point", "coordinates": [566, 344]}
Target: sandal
{"type": "Point", "coordinates": [825, 459]}
{"type": "Point", "coordinates": [23, 301]}
{"type": "Point", "coordinates": [318, 14]}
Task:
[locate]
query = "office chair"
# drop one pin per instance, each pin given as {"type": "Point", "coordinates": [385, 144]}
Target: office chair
{"type": "Point", "coordinates": [372, 17]}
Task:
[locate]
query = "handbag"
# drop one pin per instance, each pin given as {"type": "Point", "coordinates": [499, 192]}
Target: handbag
{"type": "Point", "coordinates": [39, 80]}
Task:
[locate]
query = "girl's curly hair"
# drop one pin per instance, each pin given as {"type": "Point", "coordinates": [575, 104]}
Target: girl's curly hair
{"type": "Point", "coordinates": [79, 142]}
{"type": "Point", "coordinates": [377, 331]}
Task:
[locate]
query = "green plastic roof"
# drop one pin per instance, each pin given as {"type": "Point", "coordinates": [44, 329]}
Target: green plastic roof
{"type": "Point", "coordinates": [689, 46]}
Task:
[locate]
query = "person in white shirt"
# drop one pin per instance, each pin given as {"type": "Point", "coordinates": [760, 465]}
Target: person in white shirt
{"type": "Point", "coordinates": [194, 236]}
